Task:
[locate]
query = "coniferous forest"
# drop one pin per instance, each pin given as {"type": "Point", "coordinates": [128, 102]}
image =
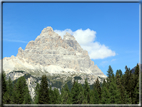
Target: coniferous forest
{"type": "Point", "coordinates": [118, 88]}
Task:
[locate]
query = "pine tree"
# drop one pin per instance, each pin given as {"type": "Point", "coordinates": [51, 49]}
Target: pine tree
{"type": "Point", "coordinates": [96, 97]}
{"type": "Point", "coordinates": [119, 72]}
{"type": "Point", "coordinates": [118, 79]}
{"type": "Point", "coordinates": [104, 84]}
{"type": "Point", "coordinates": [27, 97]}
{"type": "Point", "coordinates": [65, 98]}
{"type": "Point", "coordinates": [135, 88]}
{"type": "Point", "coordinates": [9, 87]}
{"type": "Point", "coordinates": [66, 95]}
{"type": "Point", "coordinates": [114, 93]}
{"type": "Point", "coordinates": [81, 95]}
{"type": "Point", "coordinates": [87, 90]}
{"type": "Point", "coordinates": [98, 88]}
{"type": "Point", "coordinates": [43, 91]}
{"type": "Point", "coordinates": [110, 75]}
{"type": "Point", "coordinates": [105, 96]}
{"type": "Point", "coordinates": [4, 85]}
{"type": "Point", "coordinates": [6, 98]}
{"type": "Point", "coordinates": [14, 95]}
{"type": "Point", "coordinates": [19, 89]}
{"type": "Point", "coordinates": [136, 94]}
{"type": "Point", "coordinates": [9, 90]}
{"type": "Point", "coordinates": [85, 101]}
{"type": "Point", "coordinates": [75, 93]}
{"type": "Point", "coordinates": [51, 95]}
{"type": "Point", "coordinates": [8, 95]}
{"type": "Point", "coordinates": [129, 83]}
{"type": "Point", "coordinates": [57, 96]}
{"type": "Point", "coordinates": [36, 97]}
{"type": "Point", "coordinates": [127, 99]}
{"type": "Point", "coordinates": [91, 97]}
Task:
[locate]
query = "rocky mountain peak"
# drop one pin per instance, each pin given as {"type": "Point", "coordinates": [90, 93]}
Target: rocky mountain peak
{"type": "Point", "coordinates": [50, 51]}
{"type": "Point", "coordinates": [68, 36]}
{"type": "Point", "coordinates": [47, 29]}
{"type": "Point", "coordinates": [20, 52]}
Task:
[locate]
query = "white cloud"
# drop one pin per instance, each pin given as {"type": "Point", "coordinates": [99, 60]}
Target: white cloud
{"type": "Point", "coordinates": [86, 39]}
{"type": "Point", "coordinates": [15, 41]}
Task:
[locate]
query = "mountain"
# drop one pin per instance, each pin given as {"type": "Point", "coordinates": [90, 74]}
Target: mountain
{"type": "Point", "coordinates": [60, 59]}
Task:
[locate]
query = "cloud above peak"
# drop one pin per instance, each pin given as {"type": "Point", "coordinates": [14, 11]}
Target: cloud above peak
{"type": "Point", "coordinates": [86, 38]}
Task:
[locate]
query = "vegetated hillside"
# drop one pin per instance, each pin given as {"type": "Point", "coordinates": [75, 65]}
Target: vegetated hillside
{"type": "Point", "coordinates": [119, 89]}
{"type": "Point", "coordinates": [54, 80]}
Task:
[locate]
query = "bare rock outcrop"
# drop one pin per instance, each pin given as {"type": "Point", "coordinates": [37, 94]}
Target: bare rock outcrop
{"type": "Point", "coordinates": [50, 53]}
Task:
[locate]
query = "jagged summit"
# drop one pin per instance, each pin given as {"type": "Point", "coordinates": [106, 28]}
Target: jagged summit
{"type": "Point", "coordinates": [50, 49]}
{"type": "Point", "coordinates": [68, 36]}
{"type": "Point", "coordinates": [47, 29]}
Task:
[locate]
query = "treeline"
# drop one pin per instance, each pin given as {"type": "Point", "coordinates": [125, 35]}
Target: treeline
{"type": "Point", "coordinates": [117, 89]}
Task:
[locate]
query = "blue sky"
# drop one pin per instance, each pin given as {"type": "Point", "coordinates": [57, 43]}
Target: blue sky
{"type": "Point", "coordinates": [108, 31]}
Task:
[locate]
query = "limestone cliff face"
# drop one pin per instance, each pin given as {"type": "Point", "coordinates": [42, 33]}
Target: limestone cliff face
{"type": "Point", "coordinates": [50, 53]}
{"type": "Point", "coordinates": [50, 49]}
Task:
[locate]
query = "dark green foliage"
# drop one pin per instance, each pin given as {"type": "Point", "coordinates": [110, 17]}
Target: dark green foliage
{"type": "Point", "coordinates": [6, 98]}
{"type": "Point", "coordinates": [114, 93]}
{"type": "Point", "coordinates": [118, 78]}
{"type": "Point", "coordinates": [104, 84]}
{"type": "Point", "coordinates": [96, 97]}
{"type": "Point", "coordinates": [136, 94]}
{"type": "Point", "coordinates": [20, 93]}
{"type": "Point", "coordinates": [110, 74]}
{"type": "Point", "coordinates": [69, 85]}
{"type": "Point", "coordinates": [98, 89]}
{"type": "Point", "coordinates": [43, 91]}
{"type": "Point", "coordinates": [8, 95]}
{"type": "Point", "coordinates": [81, 95]}
{"type": "Point", "coordinates": [119, 72]}
{"type": "Point", "coordinates": [54, 96]}
{"type": "Point", "coordinates": [133, 86]}
{"type": "Point", "coordinates": [119, 89]}
{"type": "Point", "coordinates": [87, 91]}
{"type": "Point", "coordinates": [65, 95]}
{"type": "Point", "coordinates": [36, 98]}
{"type": "Point", "coordinates": [92, 97]}
{"type": "Point", "coordinates": [9, 86]}
{"type": "Point", "coordinates": [27, 97]}
{"type": "Point", "coordinates": [51, 95]}
{"type": "Point", "coordinates": [4, 86]}
{"type": "Point", "coordinates": [105, 96]}
{"type": "Point", "coordinates": [75, 92]}
{"type": "Point", "coordinates": [77, 78]}
{"type": "Point", "coordinates": [57, 96]}
{"type": "Point", "coordinates": [130, 82]}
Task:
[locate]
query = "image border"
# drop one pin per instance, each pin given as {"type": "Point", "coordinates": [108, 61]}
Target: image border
{"type": "Point", "coordinates": [74, 1]}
